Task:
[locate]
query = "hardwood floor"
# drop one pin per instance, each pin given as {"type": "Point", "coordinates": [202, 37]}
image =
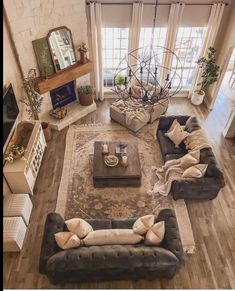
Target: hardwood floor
{"type": "Point", "coordinates": [213, 222]}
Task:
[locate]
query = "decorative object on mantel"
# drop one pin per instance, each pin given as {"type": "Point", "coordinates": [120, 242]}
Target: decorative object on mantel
{"type": "Point", "coordinates": [43, 56]}
{"type": "Point", "coordinates": [83, 48]}
{"type": "Point", "coordinates": [62, 49]}
{"type": "Point", "coordinates": [32, 99]}
{"type": "Point", "coordinates": [59, 113]}
{"type": "Point", "coordinates": [148, 80]}
{"type": "Point", "coordinates": [85, 94]}
{"type": "Point", "coordinates": [47, 131]}
{"type": "Point", "coordinates": [15, 151]}
{"type": "Point", "coordinates": [209, 75]}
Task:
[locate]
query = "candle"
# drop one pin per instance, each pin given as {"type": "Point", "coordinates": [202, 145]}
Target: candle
{"type": "Point", "coordinates": [105, 148]}
{"type": "Point", "coordinates": [124, 160]}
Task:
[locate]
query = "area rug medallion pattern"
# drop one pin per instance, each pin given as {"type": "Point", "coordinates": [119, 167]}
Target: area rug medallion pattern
{"type": "Point", "coordinates": [77, 196]}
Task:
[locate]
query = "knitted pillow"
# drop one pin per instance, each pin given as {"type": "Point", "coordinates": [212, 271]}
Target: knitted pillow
{"type": "Point", "coordinates": [143, 224]}
{"type": "Point", "coordinates": [67, 240]}
{"type": "Point", "coordinates": [176, 133]}
{"type": "Point", "coordinates": [155, 234]}
{"type": "Point", "coordinates": [78, 226]}
{"type": "Point", "coordinates": [196, 171]}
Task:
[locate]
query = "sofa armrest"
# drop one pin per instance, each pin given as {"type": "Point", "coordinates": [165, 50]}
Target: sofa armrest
{"type": "Point", "coordinates": [197, 188]}
{"type": "Point", "coordinates": [172, 240]}
{"type": "Point", "coordinates": [54, 223]}
{"type": "Point", "coordinates": [166, 121]}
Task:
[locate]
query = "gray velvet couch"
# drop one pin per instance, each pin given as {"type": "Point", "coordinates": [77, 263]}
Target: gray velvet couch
{"type": "Point", "coordinates": [206, 187]}
{"type": "Point", "coordinates": [111, 262]}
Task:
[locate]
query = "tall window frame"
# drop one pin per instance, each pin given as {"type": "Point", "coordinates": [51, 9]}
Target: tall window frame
{"type": "Point", "coordinates": [188, 47]}
{"type": "Point", "coordinates": [114, 48]}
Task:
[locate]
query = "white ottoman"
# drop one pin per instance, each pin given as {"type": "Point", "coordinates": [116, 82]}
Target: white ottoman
{"type": "Point", "coordinates": [158, 109]}
{"type": "Point", "coordinates": [14, 230]}
{"type": "Point", "coordinates": [117, 115]}
{"type": "Point", "coordinates": [17, 205]}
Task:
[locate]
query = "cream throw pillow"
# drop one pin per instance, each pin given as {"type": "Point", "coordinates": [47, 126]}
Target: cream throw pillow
{"type": "Point", "coordinates": [78, 226]}
{"type": "Point", "coordinates": [112, 237]}
{"type": "Point", "coordinates": [196, 171]}
{"type": "Point", "coordinates": [143, 224]}
{"type": "Point", "coordinates": [176, 133]}
{"type": "Point", "coordinates": [67, 240]}
{"type": "Point", "coordinates": [190, 159]}
{"type": "Point", "coordinates": [155, 234]}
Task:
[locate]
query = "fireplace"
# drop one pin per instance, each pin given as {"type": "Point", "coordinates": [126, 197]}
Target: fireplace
{"type": "Point", "coordinates": [63, 95]}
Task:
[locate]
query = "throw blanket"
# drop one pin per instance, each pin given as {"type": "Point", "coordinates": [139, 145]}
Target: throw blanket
{"type": "Point", "coordinates": [173, 170]}
{"type": "Point", "coordinates": [132, 113]}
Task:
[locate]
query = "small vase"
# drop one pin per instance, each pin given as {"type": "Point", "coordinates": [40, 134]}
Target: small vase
{"type": "Point", "coordinates": [83, 57]}
{"type": "Point", "coordinates": [46, 131]}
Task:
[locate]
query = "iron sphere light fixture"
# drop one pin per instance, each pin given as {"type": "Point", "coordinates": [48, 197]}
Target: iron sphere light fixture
{"type": "Point", "coordinates": [146, 80]}
{"type": "Point", "coordinates": [146, 77]}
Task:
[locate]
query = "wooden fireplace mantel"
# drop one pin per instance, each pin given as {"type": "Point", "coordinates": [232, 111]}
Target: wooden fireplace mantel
{"type": "Point", "coordinates": [56, 80]}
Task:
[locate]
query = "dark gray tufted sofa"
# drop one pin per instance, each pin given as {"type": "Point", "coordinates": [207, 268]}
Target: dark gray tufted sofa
{"type": "Point", "coordinates": [111, 262]}
{"type": "Point", "coordinates": [206, 187]}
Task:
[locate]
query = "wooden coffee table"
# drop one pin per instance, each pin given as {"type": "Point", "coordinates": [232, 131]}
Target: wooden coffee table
{"type": "Point", "coordinates": [118, 176]}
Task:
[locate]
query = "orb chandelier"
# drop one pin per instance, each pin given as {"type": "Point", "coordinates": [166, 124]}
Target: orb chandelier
{"type": "Point", "coordinates": [145, 80]}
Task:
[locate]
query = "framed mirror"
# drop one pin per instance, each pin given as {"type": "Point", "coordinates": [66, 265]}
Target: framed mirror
{"type": "Point", "coordinates": [61, 48]}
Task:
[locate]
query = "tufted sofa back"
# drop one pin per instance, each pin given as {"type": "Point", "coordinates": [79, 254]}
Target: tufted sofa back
{"type": "Point", "coordinates": [125, 261]}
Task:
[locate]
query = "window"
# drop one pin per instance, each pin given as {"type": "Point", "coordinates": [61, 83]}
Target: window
{"type": "Point", "coordinates": [115, 48]}
{"type": "Point", "coordinates": [159, 39]}
{"type": "Point", "coordinates": [188, 47]}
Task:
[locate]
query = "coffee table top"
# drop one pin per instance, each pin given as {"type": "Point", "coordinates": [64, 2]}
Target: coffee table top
{"type": "Point", "coordinates": [100, 170]}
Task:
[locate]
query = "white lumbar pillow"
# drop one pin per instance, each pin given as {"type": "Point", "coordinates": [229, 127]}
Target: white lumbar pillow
{"type": "Point", "coordinates": [112, 237]}
{"type": "Point", "coordinates": [155, 234]}
{"type": "Point", "coordinates": [143, 224]}
{"type": "Point", "coordinates": [67, 240]}
{"type": "Point", "coordinates": [78, 226]}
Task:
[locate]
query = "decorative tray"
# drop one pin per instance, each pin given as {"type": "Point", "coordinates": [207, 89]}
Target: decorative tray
{"type": "Point", "coordinates": [111, 161]}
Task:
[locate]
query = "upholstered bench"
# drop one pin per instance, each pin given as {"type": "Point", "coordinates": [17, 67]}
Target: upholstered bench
{"type": "Point", "coordinates": [136, 124]}
{"type": "Point", "coordinates": [14, 230]}
{"type": "Point", "coordinates": [18, 205]}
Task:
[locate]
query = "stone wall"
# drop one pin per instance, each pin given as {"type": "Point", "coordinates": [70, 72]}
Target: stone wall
{"type": "Point", "coordinates": [32, 19]}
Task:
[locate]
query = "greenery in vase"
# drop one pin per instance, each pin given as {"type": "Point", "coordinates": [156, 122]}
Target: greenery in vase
{"type": "Point", "coordinates": [119, 80]}
{"type": "Point", "coordinates": [85, 90]}
{"type": "Point", "coordinates": [15, 151]}
{"type": "Point", "coordinates": [82, 47]}
{"type": "Point", "coordinates": [210, 71]}
{"type": "Point", "coordinates": [32, 99]}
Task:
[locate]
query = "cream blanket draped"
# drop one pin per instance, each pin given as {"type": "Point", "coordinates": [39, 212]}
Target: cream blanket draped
{"type": "Point", "coordinates": [132, 113]}
{"type": "Point", "coordinates": [173, 170]}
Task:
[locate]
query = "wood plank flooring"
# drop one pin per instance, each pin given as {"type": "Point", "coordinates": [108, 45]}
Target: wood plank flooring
{"type": "Point", "coordinates": [213, 222]}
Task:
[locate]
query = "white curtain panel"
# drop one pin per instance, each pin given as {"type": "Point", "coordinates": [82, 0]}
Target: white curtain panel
{"type": "Point", "coordinates": [174, 21]}
{"type": "Point", "coordinates": [96, 40]}
{"type": "Point", "coordinates": [134, 32]}
{"type": "Point", "coordinates": [216, 14]}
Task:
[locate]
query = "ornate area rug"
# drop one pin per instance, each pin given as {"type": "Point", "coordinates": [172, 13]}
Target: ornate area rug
{"type": "Point", "coordinates": [78, 198]}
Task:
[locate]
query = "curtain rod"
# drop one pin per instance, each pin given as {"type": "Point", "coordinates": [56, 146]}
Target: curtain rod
{"type": "Point", "coordinates": [153, 4]}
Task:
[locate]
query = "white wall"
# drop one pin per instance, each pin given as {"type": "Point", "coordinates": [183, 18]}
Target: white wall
{"type": "Point", "coordinates": [32, 19]}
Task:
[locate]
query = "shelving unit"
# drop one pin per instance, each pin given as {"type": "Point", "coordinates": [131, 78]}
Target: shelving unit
{"type": "Point", "coordinates": [21, 175]}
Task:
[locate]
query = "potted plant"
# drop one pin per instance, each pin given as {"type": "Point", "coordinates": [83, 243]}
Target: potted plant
{"type": "Point", "coordinates": [83, 50]}
{"type": "Point", "coordinates": [209, 75]}
{"type": "Point", "coordinates": [85, 94]}
{"type": "Point", "coordinates": [119, 81]}
{"type": "Point", "coordinates": [33, 100]}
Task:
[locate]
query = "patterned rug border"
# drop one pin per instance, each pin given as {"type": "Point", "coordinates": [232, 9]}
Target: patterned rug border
{"type": "Point", "coordinates": [180, 207]}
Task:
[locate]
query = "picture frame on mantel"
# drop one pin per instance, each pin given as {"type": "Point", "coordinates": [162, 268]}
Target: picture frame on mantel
{"type": "Point", "coordinates": [43, 57]}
